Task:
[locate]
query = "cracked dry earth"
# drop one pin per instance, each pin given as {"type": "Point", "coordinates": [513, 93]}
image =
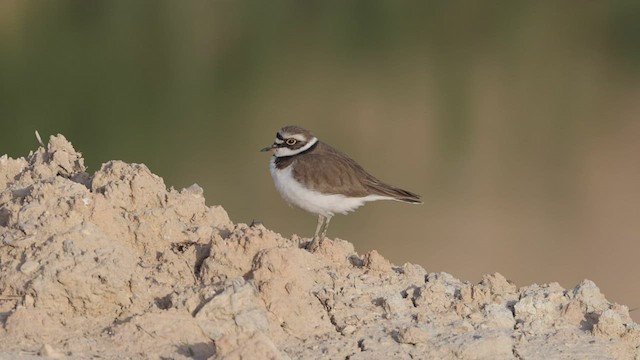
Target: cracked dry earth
{"type": "Point", "coordinates": [114, 265]}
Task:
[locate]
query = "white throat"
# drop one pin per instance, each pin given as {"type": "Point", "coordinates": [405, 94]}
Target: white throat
{"type": "Point", "coordinates": [284, 151]}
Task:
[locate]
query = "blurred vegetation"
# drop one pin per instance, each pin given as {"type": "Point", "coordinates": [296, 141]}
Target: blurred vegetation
{"type": "Point", "coordinates": [517, 120]}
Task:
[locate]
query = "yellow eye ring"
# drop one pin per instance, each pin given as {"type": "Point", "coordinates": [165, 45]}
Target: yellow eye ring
{"type": "Point", "coordinates": [291, 142]}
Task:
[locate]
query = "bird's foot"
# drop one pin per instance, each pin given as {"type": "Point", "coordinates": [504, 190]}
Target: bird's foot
{"type": "Point", "coordinates": [314, 244]}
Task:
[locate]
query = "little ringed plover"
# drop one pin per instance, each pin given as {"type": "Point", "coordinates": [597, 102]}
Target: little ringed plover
{"type": "Point", "coordinates": [322, 180]}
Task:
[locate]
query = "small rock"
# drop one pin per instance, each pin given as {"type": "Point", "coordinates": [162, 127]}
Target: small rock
{"type": "Point", "coordinates": [348, 330]}
{"type": "Point", "coordinates": [413, 335]}
{"type": "Point", "coordinates": [235, 309]}
{"type": "Point", "coordinates": [609, 325]}
{"type": "Point", "coordinates": [393, 305]}
{"type": "Point", "coordinates": [29, 267]}
{"type": "Point", "coordinates": [632, 333]}
{"type": "Point", "coordinates": [29, 227]}
{"type": "Point", "coordinates": [589, 294]}
{"type": "Point", "coordinates": [374, 261]}
{"type": "Point", "coordinates": [498, 316]}
{"type": "Point", "coordinates": [194, 189]}
{"type": "Point", "coordinates": [69, 247]}
{"type": "Point", "coordinates": [47, 351]}
{"type": "Point", "coordinates": [8, 239]}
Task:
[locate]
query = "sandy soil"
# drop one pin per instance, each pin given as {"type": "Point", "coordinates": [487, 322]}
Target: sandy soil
{"type": "Point", "coordinates": [115, 265]}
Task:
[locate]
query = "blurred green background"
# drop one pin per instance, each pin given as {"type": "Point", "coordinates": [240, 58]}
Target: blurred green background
{"type": "Point", "coordinates": [518, 121]}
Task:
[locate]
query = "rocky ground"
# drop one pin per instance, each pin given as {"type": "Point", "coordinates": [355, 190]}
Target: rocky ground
{"type": "Point", "coordinates": [113, 265]}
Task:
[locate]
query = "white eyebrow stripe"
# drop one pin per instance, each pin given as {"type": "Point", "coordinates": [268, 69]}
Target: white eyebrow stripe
{"type": "Point", "coordinates": [278, 141]}
{"type": "Point", "coordinates": [285, 151]}
{"type": "Point", "coordinates": [309, 144]}
{"type": "Point", "coordinates": [298, 137]}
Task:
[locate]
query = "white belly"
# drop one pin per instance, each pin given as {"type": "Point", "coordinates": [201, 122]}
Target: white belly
{"type": "Point", "coordinates": [313, 201]}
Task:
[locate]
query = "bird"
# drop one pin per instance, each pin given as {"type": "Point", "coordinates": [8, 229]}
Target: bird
{"type": "Point", "coordinates": [322, 180]}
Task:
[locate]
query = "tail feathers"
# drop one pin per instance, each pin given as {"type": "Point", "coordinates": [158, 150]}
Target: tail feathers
{"type": "Point", "coordinates": [396, 193]}
{"type": "Point", "coordinates": [408, 197]}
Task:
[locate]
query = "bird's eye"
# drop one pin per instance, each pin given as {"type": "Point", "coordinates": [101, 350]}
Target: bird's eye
{"type": "Point", "coordinates": [291, 142]}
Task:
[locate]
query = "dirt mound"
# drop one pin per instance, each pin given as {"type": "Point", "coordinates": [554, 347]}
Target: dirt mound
{"type": "Point", "coordinates": [113, 264]}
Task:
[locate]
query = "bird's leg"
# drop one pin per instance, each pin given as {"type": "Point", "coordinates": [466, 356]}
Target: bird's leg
{"type": "Point", "coordinates": [321, 231]}
{"type": "Point", "coordinates": [319, 227]}
{"type": "Point", "coordinates": [313, 244]}
{"type": "Point", "coordinates": [325, 227]}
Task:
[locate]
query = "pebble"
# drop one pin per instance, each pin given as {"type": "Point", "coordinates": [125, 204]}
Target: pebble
{"type": "Point", "coordinates": [29, 267]}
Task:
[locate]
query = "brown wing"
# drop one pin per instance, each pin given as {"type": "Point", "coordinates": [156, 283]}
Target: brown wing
{"type": "Point", "coordinates": [329, 171]}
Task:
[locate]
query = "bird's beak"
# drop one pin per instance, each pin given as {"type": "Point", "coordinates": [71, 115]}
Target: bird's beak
{"type": "Point", "coordinates": [270, 147]}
